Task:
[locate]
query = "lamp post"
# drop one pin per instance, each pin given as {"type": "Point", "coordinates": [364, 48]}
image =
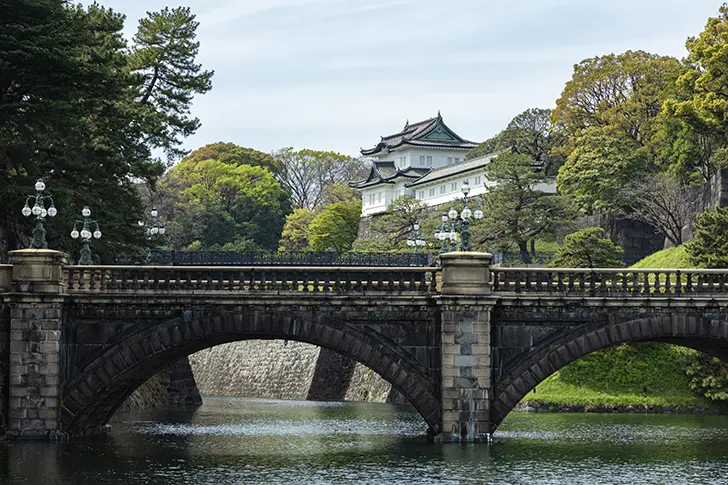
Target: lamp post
{"type": "Point", "coordinates": [415, 239]}
{"type": "Point", "coordinates": [456, 225]}
{"type": "Point", "coordinates": [40, 212]}
{"type": "Point", "coordinates": [86, 234]}
{"type": "Point", "coordinates": [155, 226]}
{"type": "Point", "coordinates": [155, 229]}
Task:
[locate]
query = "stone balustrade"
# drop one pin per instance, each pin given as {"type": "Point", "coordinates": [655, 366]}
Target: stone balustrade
{"type": "Point", "coordinates": [337, 280]}
{"type": "Point", "coordinates": [609, 281]}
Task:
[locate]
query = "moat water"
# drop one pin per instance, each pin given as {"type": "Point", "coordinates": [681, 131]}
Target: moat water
{"type": "Point", "coordinates": [238, 441]}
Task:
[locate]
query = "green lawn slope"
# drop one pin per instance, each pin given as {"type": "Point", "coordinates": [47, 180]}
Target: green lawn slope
{"type": "Point", "coordinates": [643, 375]}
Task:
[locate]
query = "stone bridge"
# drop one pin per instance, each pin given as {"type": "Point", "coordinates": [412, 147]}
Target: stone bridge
{"type": "Point", "coordinates": [463, 342]}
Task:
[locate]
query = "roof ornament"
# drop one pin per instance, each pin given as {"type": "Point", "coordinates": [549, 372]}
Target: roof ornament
{"type": "Point", "coordinates": [438, 114]}
{"type": "Point", "coordinates": [406, 124]}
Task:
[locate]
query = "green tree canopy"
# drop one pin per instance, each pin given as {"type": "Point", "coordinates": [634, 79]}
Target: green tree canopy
{"type": "Point", "coordinates": [709, 249]}
{"type": "Point", "coordinates": [296, 230]}
{"type": "Point", "coordinates": [516, 211]}
{"type": "Point", "coordinates": [335, 228]}
{"type": "Point", "coordinates": [218, 203]}
{"type": "Point", "coordinates": [398, 220]}
{"type": "Point", "coordinates": [529, 133]}
{"type": "Point", "coordinates": [599, 167]}
{"type": "Point", "coordinates": [588, 248]}
{"type": "Point", "coordinates": [232, 154]}
{"type": "Point", "coordinates": [695, 127]}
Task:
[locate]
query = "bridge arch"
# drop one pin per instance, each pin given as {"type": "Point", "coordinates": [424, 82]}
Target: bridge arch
{"type": "Point", "coordinates": [709, 335]}
{"type": "Point", "coordinates": [92, 396]}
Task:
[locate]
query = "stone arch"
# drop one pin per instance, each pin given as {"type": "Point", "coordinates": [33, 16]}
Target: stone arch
{"type": "Point", "coordinates": [91, 397]}
{"type": "Point", "coordinates": [694, 331]}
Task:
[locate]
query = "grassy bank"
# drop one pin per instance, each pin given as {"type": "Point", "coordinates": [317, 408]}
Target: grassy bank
{"type": "Point", "coordinates": [631, 375]}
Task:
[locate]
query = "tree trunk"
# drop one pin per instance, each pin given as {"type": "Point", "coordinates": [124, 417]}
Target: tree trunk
{"type": "Point", "coordinates": [523, 248]}
{"type": "Point", "coordinates": [533, 248]}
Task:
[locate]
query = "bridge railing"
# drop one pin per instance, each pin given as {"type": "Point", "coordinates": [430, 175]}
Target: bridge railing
{"type": "Point", "coordinates": [161, 279]}
{"type": "Point", "coordinates": [609, 281]}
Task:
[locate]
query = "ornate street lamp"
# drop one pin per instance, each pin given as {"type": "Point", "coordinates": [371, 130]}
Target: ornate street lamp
{"type": "Point", "coordinates": [40, 212]}
{"type": "Point", "coordinates": [86, 235]}
{"type": "Point", "coordinates": [457, 226]}
{"type": "Point", "coordinates": [415, 240]}
{"type": "Point", "coordinates": [155, 226]}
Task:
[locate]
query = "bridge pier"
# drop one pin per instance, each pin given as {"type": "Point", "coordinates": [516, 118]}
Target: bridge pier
{"type": "Point", "coordinates": [36, 315]}
{"type": "Point", "coordinates": [465, 305]}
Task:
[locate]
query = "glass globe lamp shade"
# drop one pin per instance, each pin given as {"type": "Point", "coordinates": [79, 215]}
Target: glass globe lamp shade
{"type": "Point", "coordinates": [453, 214]}
{"type": "Point", "coordinates": [39, 186]}
{"type": "Point", "coordinates": [26, 210]}
{"type": "Point", "coordinates": [417, 226]}
{"type": "Point", "coordinates": [466, 188]}
{"type": "Point", "coordinates": [52, 211]}
{"type": "Point", "coordinates": [154, 230]}
{"type": "Point", "coordinates": [141, 223]}
{"type": "Point", "coordinates": [37, 210]}
{"type": "Point", "coordinates": [466, 213]}
{"type": "Point", "coordinates": [478, 214]}
{"type": "Point", "coordinates": [154, 212]}
{"type": "Point", "coordinates": [74, 234]}
{"type": "Point", "coordinates": [444, 217]}
{"type": "Point", "coordinates": [453, 236]}
{"type": "Point", "coordinates": [162, 230]}
{"type": "Point", "coordinates": [410, 242]}
{"type": "Point", "coordinates": [85, 233]}
{"type": "Point", "coordinates": [43, 212]}
{"type": "Point", "coordinates": [86, 212]}
{"type": "Point", "coordinates": [420, 242]}
{"type": "Point", "coordinates": [97, 234]}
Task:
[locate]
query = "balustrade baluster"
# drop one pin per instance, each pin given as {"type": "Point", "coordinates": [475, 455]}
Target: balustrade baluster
{"type": "Point", "coordinates": [347, 284]}
{"type": "Point", "coordinates": [305, 281]}
{"type": "Point", "coordinates": [495, 279]}
{"type": "Point", "coordinates": [517, 282]}
{"type": "Point", "coordinates": [433, 281]}
{"type": "Point", "coordinates": [581, 283]}
{"type": "Point", "coordinates": [699, 287]}
{"type": "Point", "coordinates": [570, 281]}
{"type": "Point", "coordinates": [721, 283]}
{"type": "Point", "coordinates": [689, 283]}
{"type": "Point", "coordinates": [412, 286]}
{"type": "Point", "coordinates": [560, 281]}
{"type": "Point", "coordinates": [92, 279]}
{"type": "Point", "coordinates": [316, 288]}
{"type": "Point", "coordinates": [326, 286]}
{"type": "Point", "coordinates": [678, 282]}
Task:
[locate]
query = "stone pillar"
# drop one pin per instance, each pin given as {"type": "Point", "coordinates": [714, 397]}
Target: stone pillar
{"type": "Point", "coordinates": [36, 314]}
{"type": "Point", "coordinates": [465, 305]}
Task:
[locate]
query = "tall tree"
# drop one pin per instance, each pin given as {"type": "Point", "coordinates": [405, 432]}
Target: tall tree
{"type": "Point", "coordinates": [305, 173]}
{"type": "Point", "coordinates": [695, 133]}
{"type": "Point", "coordinates": [530, 133]}
{"type": "Point", "coordinates": [163, 56]}
{"type": "Point", "coordinates": [68, 115]}
{"type": "Point", "coordinates": [709, 249]}
{"type": "Point", "coordinates": [516, 210]}
{"type": "Point", "coordinates": [296, 230]}
{"type": "Point", "coordinates": [398, 220]}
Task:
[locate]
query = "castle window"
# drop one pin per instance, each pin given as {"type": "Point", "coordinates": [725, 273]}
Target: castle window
{"type": "Point", "coordinates": [449, 160]}
{"type": "Point", "coordinates": [429, 161]}
{"type": "Point", "coordinates": [422, 160]}
{"type": "Point", "coordinates": [442, 189]}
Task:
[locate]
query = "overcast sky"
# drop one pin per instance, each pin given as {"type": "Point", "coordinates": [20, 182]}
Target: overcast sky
{"type": "Point", "coordinates": [337, 74]}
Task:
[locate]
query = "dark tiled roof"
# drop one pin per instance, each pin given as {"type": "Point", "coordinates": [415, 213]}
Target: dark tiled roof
{"type": "Point", "coordinates": [433, 133]}
{"type": "Point", "coordinates": [386, 172]}
{"type": "Point", "coordinates": [454, 169]}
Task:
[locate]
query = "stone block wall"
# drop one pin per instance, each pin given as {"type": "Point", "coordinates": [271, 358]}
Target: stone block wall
{"type": "Point", "coordinates": [174, 385]}
{"type": "Point", "coordinates": [4, 366]}
{"type": "Point", "coordinates": [274, 369]}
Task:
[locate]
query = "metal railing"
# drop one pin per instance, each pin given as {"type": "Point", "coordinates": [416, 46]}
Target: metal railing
{"type": "Point", "coordinates": [609, 281]}
{"type": "Point", "coordinates": [253, 279]}
{"type": "Point", "coordinates": [273, 258]}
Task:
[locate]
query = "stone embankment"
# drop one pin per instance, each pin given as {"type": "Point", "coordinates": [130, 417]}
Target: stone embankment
{"type": "Point", "coordinates": [276, 369]}
{"type": "Point", "coordinates": [174, 385]}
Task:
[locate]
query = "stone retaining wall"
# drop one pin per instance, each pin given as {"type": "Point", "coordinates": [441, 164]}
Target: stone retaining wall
{"type": "Point", "coordinates": [175, 385]}
{"type": "Point", "coordinates": [275, 369]}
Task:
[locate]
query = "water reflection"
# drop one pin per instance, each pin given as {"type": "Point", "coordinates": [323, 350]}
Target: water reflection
{"type": "Point", "coordinates": [235, 441]}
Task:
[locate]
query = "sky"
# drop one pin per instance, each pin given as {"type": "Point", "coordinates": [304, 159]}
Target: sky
{"type": "Point", "coordinates": [338, 74]}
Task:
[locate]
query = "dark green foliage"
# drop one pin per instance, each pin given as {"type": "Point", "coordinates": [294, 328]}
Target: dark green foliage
{"type": "Point", "coordinates": [529, 133]}
{"type": "Point", "coordinates": [588, 248]}
{"type": "Point", "coordinates": [516, 212]}
{"type": "Point", "coordinates": [163, 57]}
{"type": "Point", "coordinates": [231, 153]}
{"type": "Point", "coordinates": [708, 377]}
{"type": "Point", "coordinates": [709, 249]}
